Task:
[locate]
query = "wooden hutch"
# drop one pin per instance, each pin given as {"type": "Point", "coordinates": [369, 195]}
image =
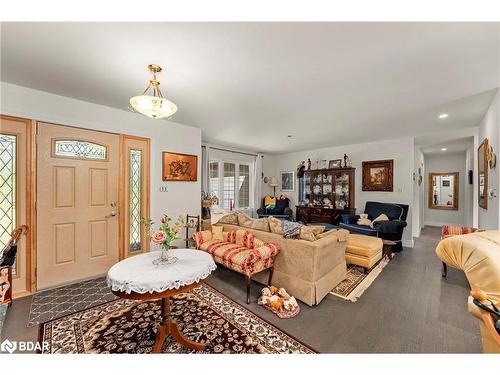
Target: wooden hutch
{"type": "Point", "coordinates": [328, 194]}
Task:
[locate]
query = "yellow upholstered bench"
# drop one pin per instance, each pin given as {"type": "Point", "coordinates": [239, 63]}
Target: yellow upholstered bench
{"type": "Point", "coordinates": [363, 251]}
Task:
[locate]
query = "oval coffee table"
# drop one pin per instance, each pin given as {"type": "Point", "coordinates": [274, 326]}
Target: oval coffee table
{"type": "Point", "coordinates": [137, 278]}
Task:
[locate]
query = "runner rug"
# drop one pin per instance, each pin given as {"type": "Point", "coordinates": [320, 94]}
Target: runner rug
{"type": "Point", "coordinates": [357, 281]}
{"type": "Point", "coordinates": [203, 315]}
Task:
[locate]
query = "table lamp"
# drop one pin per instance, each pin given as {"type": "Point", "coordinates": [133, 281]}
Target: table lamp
{"type": "Point", "coordinates": [273, 183]}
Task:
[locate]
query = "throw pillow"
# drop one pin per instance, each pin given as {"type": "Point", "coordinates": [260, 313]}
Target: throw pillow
{"type": "Point", "coordinates": [363, 220]}
{"type": "Point", "coordinates": [269, 202]}
{"type": "Point", "coordinates": [340, 233]}
{"type": "Point", "coordinates": [217, 233]}
{"type": "Point", "coordinates": [259, 224]}
{"type": "Point", "coordinates": [275, 225]}
{"type": "Point", "coordinates": [231, 218]}
{"type": "Point", "coordinates": [381, 217]}
{"type": "Point", "coordinates": [309, 232]}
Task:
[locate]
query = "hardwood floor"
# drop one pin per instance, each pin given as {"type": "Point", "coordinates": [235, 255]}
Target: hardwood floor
{"type": "Point", "coordinates": [408, 309]}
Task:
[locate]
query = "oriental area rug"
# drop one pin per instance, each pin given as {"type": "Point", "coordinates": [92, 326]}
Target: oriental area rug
{"type": "Point", "coordinates": [203, 315]}
{"type": "Point", "coordinates": [357, 281]}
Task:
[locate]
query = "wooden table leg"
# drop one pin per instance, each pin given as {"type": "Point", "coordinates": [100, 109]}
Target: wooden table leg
{"type": "Point", "coordinates": [169, 327]}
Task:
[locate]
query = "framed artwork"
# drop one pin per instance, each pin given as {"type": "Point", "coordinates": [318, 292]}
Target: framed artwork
{"type": "Point", "coordinates": [179, 167]}
{"type": "Point", "coordinates": [337, 163]}
{"type": "Point", "coordinates": [287, 180]}
{"type": "Point", "coordinates": [378, 175]}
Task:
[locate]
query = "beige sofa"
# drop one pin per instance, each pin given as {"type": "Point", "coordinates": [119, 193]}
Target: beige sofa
{"type": "Point", "coordinates": [478, 255]}
{"type": "Point", "coordinates": [308, 270]}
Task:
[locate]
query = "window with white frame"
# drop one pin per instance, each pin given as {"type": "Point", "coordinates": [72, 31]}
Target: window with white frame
{"type": "Point", "coordinates": [231, 182]}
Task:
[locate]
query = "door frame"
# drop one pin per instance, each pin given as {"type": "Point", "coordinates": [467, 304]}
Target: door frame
{"type": "Point", "coordinates": [30, 204]}
{"type": "Point", "coordinates": [31, 193]}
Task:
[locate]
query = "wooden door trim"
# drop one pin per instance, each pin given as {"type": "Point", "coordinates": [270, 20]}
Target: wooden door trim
{"type": "Point", "coordinates": [122, 188]}
{"type": "Point", "coordinates": [30, 265]}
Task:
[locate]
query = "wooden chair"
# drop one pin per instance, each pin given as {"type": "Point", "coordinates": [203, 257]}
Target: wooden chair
{"type": "Point", "coordinates": [10, 250]}
{"type": "Point", "coordinates": [490, 335]}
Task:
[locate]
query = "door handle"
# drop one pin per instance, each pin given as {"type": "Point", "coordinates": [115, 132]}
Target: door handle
{"type": "Point", "coordinates": [113, 213]}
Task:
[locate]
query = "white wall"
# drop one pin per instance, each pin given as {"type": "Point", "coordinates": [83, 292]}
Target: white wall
{"type": "Point", "coordinates": [447, 162]}
{"type": "Point", "coordinates": [490, 128]}
{"type": "Point", "coordinates": [181, 197]}
{"type": "Point", "coordinates": [401, 150]}
{"type": "Point", "coordinates": [417, 207]}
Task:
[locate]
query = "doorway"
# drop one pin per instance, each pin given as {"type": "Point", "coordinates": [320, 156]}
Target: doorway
{"type": "Point", "coordinates": [77, 203]}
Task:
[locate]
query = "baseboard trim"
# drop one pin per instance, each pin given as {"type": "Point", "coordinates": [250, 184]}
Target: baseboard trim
{"type": "Point", "coordinates": [439, 223]}
{"type": "Point", "coordinates": [408, 243]}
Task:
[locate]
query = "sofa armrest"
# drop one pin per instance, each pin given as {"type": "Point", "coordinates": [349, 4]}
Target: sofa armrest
{"type": "Point", "coordinates": [288, 212]}
{"type": "Point", "coordinates": [390, 227]}
{"type": "Point", "coordinates": [201, 237]}
{"type": "Point", "coordinates": [261, 211]}
{"type": "Point", "coordinates": [350, 219]}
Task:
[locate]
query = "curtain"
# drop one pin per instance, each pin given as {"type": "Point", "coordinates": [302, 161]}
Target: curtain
{"type": "Point", "coordinates": [205, 169]}
{"type": "Point", "coordinates": [257, 177]}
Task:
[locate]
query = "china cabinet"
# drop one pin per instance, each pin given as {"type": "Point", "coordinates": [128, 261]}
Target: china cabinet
{"type": "Point", "coordinates": [327, 195]}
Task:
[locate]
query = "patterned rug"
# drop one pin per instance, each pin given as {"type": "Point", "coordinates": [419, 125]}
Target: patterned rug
{"type": "Point", "coordinates": [203, 315]}
{"type": "Point", "coordinates": [357, 281]}
{"type": "Point", "coordinates": [54, 303]}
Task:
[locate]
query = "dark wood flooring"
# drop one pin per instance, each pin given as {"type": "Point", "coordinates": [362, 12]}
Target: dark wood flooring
{"type": "Point", "coordinates": [408, 309]}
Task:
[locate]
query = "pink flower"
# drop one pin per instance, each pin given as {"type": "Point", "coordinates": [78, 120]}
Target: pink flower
{"type": "Point", "coordinates": [159, 237]}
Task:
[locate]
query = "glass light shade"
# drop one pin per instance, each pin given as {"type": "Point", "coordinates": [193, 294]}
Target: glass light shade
{"type": "Point", "coordinates": [153, 106]}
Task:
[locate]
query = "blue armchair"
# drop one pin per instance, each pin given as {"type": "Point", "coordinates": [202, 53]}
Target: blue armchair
{"type": "Point", "coordinates": [387, 230]}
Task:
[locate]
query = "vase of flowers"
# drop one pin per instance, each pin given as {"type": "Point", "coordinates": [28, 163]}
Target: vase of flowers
{"type": "Point", "coordinates": [163, 237]}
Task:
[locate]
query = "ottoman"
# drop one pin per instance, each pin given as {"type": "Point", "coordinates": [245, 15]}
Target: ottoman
{"type": "Point", "coordinates": [363, 251]}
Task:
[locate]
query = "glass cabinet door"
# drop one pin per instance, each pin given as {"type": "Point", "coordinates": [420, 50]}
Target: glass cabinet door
{"type": "Point", "coordinates": [342, 190]}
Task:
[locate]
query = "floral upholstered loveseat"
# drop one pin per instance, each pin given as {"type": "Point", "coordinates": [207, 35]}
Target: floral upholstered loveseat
{"type": "Point", "coordinates": [240, 251]}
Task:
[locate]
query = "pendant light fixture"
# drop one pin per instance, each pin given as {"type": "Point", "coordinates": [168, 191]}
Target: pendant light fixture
{"type": "Point", "coordinates": [152, 103]}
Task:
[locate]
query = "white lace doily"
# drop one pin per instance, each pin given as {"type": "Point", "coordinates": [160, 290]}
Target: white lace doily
{"type": "Point", "coordinates": [138, 273]}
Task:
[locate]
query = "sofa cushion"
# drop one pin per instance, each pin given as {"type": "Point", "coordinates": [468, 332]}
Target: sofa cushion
{"type": "Point", "coordinates": [341, 234]}
{"type": "Point", "coordinates": [275, 225]}
{"type": "Point", "coordinates": [231, 218]}
{"type": "Point", "coordinates": [259, 224]}
{"type": "Point", "coordinates": [309, 232]}
{"type": "Point", "coordinates": [217, 233]}
{"type": "Point", "coordinates": [240, 258]}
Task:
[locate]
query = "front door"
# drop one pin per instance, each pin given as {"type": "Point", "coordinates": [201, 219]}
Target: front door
{"type": "Point", "coordinates": [77, 204]}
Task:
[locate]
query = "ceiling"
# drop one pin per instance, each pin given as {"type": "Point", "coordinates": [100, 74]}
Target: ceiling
{"type": "Point", "coordinates": [453, 146]}
{"type": "Point", "coordinates": [250, 85]}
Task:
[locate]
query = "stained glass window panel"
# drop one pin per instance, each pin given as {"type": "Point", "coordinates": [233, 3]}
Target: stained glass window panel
{"type": "Point", "coordinates": [135, 185]}
{"type": "Point", "coordinates": [80, 149]}
{"type": "Point", "coordinates": [8, 183]}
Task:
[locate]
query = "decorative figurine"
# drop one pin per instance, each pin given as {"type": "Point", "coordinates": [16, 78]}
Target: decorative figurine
{"type": "Point", "coordinates": [308, 164]}
{"type": "Point", "coordinates": [300, 169]}
{"type": "Point", "coordinates": [345, 160]}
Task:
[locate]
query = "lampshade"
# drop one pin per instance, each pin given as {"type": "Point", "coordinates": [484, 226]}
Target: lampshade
{"type": "Point", "coordinates": [273, 182]}
{"type": "Point", "coordinates": [155, 105]}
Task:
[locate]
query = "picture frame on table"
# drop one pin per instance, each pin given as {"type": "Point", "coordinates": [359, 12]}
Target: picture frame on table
{"type": "Point", "coordinates": [336, 163]}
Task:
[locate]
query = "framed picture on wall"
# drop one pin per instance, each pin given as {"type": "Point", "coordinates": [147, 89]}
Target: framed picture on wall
{"type": "Point", "coordinates": [179, 167]}
{"type": "Point", "coordinates": [287, 180]}
{"type": "Point", "coordinates": [378, 175]}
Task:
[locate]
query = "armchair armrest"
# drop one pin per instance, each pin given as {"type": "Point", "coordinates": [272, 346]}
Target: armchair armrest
{"type": "Point", "coordinates": [261, 211]}
{"type": "Point", "coordinates": [350, 219]}
{"type": "Point", "coordinates": [390, 227]}
{"type": "Point", "coordinates": [288, 212]}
